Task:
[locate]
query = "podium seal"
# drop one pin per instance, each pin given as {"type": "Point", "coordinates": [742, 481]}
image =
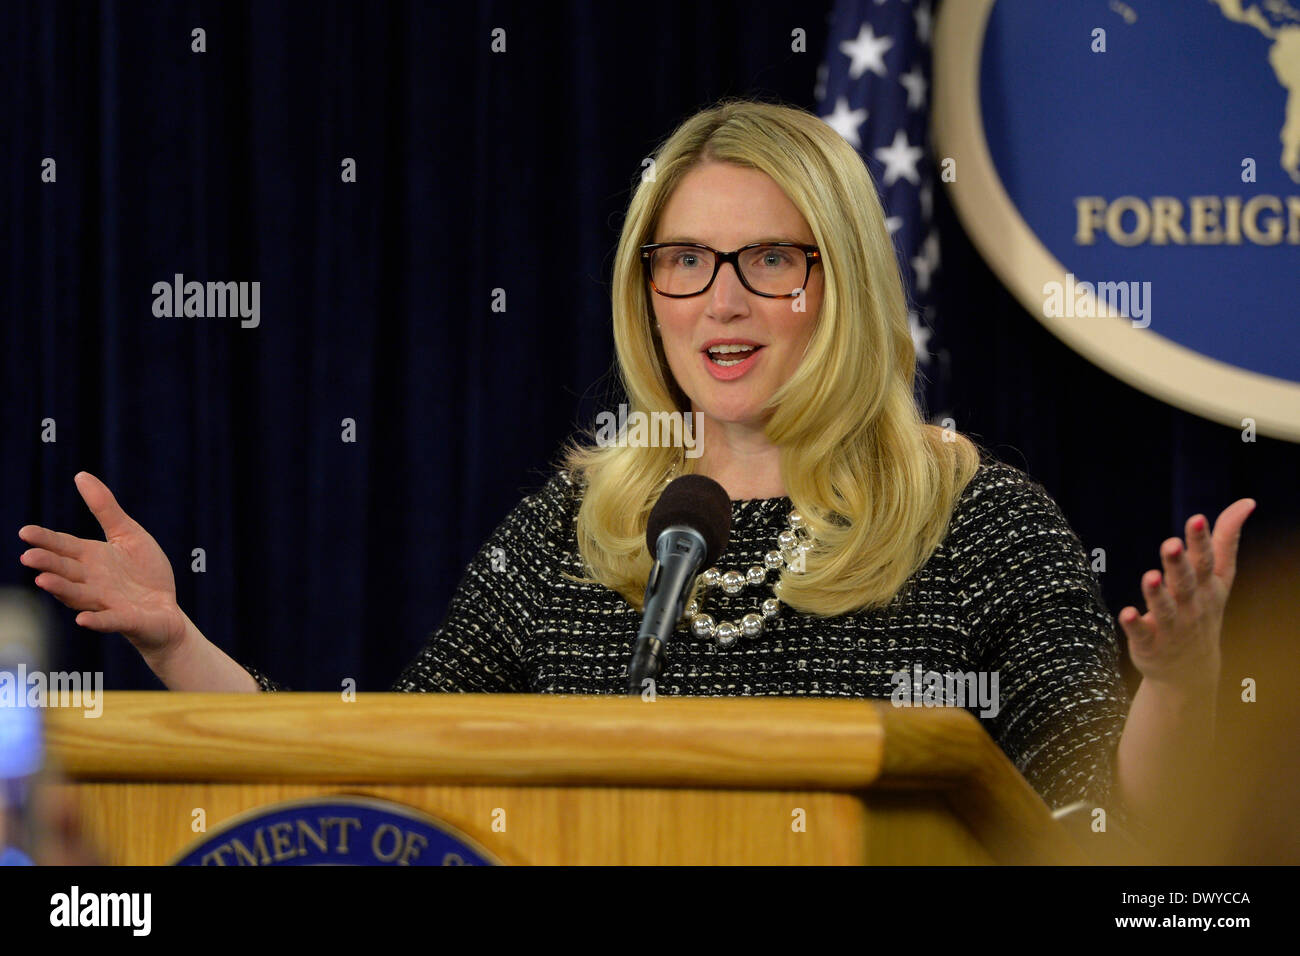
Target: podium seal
{"type": "Point", "coordinates": [337, 830]}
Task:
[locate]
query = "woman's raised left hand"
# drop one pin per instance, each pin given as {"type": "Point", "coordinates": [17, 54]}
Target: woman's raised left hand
{"type": "Point", "coordinates": [1176, 642]}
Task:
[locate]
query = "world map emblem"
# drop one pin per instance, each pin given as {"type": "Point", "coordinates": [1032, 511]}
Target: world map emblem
{"type": "Point", "coordinates": [1131, 171]}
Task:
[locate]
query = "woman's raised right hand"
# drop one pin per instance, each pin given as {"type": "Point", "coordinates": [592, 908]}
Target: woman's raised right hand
{"type": "Point", "coordinates": [123, 583]}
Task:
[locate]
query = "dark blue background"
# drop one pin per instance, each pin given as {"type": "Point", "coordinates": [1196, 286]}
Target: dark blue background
{"type": "Point", "coordinates": [476, 171]}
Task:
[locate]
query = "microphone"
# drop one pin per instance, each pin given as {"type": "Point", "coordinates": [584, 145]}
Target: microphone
{"type": "Point", "coordinates": [687, 531]}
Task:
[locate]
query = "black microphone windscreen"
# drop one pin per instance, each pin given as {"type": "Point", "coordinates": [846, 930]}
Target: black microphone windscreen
{"type": "Point", "coordinates": [696, 502]}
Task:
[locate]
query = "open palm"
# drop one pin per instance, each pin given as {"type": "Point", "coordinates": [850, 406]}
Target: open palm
{"type": "Point", "coordinates": [1177, 639]}
{"type": "Point", "coordinates": [124, 583]}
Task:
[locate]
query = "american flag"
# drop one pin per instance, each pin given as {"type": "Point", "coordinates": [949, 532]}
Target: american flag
{"type": "Point", "coordinates": [873, 88]}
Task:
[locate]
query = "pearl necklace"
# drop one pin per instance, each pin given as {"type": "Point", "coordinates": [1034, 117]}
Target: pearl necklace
{"type": "Point", "coordinates": [792, 545]}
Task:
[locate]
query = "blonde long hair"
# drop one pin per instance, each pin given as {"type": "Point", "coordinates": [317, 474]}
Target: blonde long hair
{"type": "Point", "coordinates": [876, 488]}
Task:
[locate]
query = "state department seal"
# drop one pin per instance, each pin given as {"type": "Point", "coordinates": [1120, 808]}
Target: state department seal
{"type": "Point", "coordinates": [333, 831]}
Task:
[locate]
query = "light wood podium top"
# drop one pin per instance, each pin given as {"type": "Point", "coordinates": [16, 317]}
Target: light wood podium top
{"type": "Point", "coordinates": [542, 740]}
{"type": "Point", "coordinates": [519, 738]}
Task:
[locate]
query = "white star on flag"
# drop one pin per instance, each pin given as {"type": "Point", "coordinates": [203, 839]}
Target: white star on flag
{"type": "Point", "coordinates": [915, 84]}
{"type": "Point", "coordinates": [920, 338]}
{"type": "Point", "coordinates": [900, 159]}
{"type": "Point", "coordinates": [867, 52]}
{"type": "Point", "coordinates": [922, 15]}
{"type": "Point", "coordinates": [846, 121]}
{"type": "Point", "coordinates": [927, 262]}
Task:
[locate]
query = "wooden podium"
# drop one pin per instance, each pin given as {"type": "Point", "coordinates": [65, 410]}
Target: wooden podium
{"type": "Point", "coordinates": [536, 779]}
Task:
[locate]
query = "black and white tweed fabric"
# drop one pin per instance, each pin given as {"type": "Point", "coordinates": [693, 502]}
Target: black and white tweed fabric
{"type": "Point", "coordinates": [1008, 591]}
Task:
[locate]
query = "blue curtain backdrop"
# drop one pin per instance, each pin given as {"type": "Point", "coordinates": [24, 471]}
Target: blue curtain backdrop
{"type": "Point", "coordinates": [475, 172]}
